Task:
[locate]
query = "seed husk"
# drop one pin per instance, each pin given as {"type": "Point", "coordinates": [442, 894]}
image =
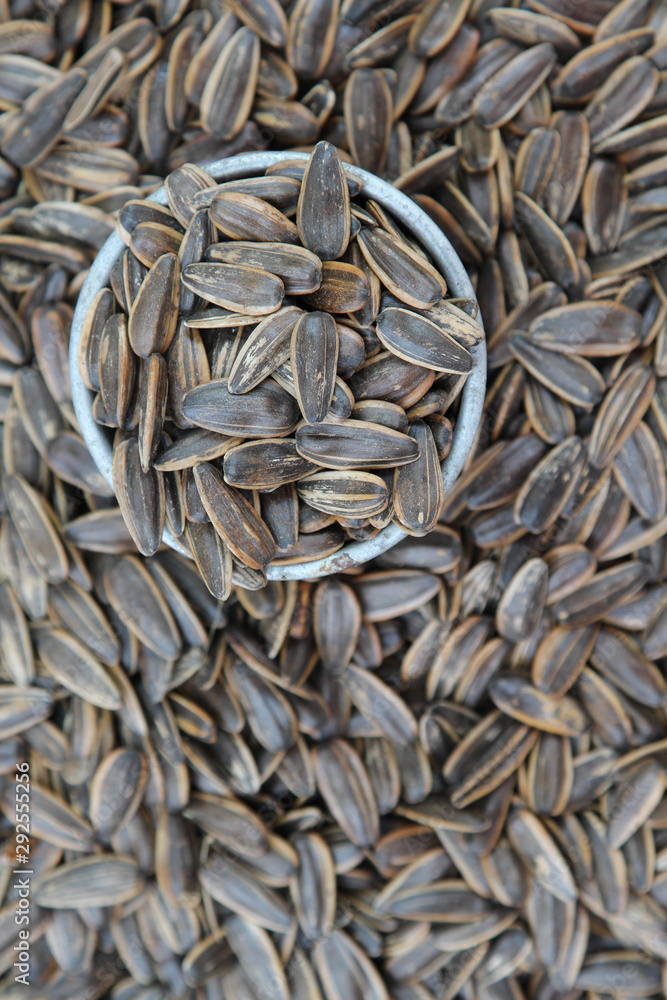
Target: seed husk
{"type": "Point", "coordinates": [418, 490]}
{"type": "Point", "coordinates": [355, 444]}
{"type": "Point", "coordinates": [623, 96]}
{"type": "Point", "coordinates": [348, 494]}
{"type": "Point", "coordinates": [103, 880]}
{"type": "Point", "coordinates": [416, 339]}
{"type": "Point", "coordinates": [228, 93]}
{"type": "Point", "coordinates": [314, 358]}
{"type": "Point", "coordinates": [368, 118]}
{"type": "Point", "coordinates": [511, 86]}
{"type": "Point", "coordinates": [405, 273]}
{"type": "Point", "coordinates": [265, 464]}
{"type": "Point", "coordinates": [237, 287]}
{"type": "Point", "coordinates": [633, 800]}
{"type": "Point", "coordinates": [344, 785]}
{"type": "Point", "coordinates": [137, 601]}
{"type": "Point", "coordinates": [323, 212]}
{"type": "Point", "coordinates": [267, 347]}
{"type": "Point", "coordinates": [264, 411]}
{"type": "Point", "coordinates": [344, 289]}
{"type": "Point", "coordinates": [299, 269]}
{"type": "Point", "coordinates": [140, 495]}
{"type": "Point", "coordinates": [234, 518]}
{"type": "Point", "coordinates": [517, 697]}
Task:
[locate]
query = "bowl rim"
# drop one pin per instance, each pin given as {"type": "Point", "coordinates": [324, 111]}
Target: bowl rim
{"type": "Point", "coordinates": [409, 214]}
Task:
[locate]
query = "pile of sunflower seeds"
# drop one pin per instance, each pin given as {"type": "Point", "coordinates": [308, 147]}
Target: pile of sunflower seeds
{"type": "Point", "coordinates": [442, 775]}
{"type": "Point", "coordinates": [348, 418]}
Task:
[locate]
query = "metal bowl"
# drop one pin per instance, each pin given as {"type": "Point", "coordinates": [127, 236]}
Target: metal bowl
{"type": "Point", "coordinates": [407, 212]}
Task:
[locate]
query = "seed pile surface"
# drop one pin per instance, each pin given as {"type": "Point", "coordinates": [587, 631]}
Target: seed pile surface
{"type": "Point", "coordinates": [442, 775]}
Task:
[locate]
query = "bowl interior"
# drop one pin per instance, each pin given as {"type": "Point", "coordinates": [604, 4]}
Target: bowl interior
{"type": "Point", "coordinates": [408, 213]}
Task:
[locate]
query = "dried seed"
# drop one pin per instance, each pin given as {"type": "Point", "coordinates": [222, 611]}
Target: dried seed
{"type": "Point", "coordinates": [314, 357]}
{"type": "Point", "coordinates": [344, 786]}
{"type": "Point", "coordinates": [238, 287]}
{"type": "Point", "coordinates": [234, 518]}
{"type": "Point", "coordinates": [229, 91]}
{"type": "Point", "coordinates": [355, 444]}
{"type": "Point", "coordinates": [103, 880]}
{"type": "Point", "coordinates": [265, 411]}
{"type": "Point", "coordinates": [267, 347]}
{"type": "Point", "coordinates": [154, 314]}
{"type": "Point", "coordinates": [323, 212]}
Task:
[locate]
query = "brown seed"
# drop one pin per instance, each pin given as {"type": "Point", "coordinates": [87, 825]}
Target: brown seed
{"type": "Point", "coordinates": [348, 494]}
{"type": "Point", "coordinates": [552, 247]}
{"type": "Point", "coordinates": [640, 473]}
{"type": "Point", "coordinates": [386, 593]}
{"type": "Point", "coordinates": [234, 518]}
{"type": "Point", "coordinates": [618, 658]}
{"type": "Point", "coordinates": [622, 97]}
{"type": "Point", "coordinates": [265, 465]}
{"type": "Point", "coordinates": [299, 269]}
{"type": "Point", "coordinates": [116, 369]}
{"type": "Point", "coordinates": [245, 217]}
{"type": "Point", "coordinates": [229, 91]}
{"type": "Point", "coordinates": [416, 339]}
{"type": "Point", "coordinates": [610, 873]}
{"type": "Point", "coordinates": [140, 496]}
{"type": "Point", "coordinates": [103, 880]}
{"type": "Point", "coordinates": [37, 126]}
{"type": "Point", "coordinates": [344, 786]}
{"type": "Point", "coordinates": [418, 490]}
{"type": "Point", "coordinates": [267, 347]}
{"type": "Point", "coordinates": [355, 444]}
{"type": "Point", "coordinates": [401, 269]}
{"type": "Point", "coordinates": [590, 329]}
{"type": "Point", "coordinates": [520, 607]}
{"type": "Point", "coordinates": [560, 658]}
{"type": "Point", "coordinates": [486, 756]}
{"type": "Point", "coordinates": [334, 603]}
{"type": "Point", "coordinates": [153, 404]}
{"type": "Point", "coordinates": [151, 240]}
{"type": "Point", "coordinates": [311, 36]}
{"type": "Point", "coordinates": [154, 315]}
{"type": "Point", "coordinates": [323, 212]}
{"type": "Point", "coordinates": [368, 118]}
{"type": "Point", "coordinates": [16, 650]}
{"type": "Point", "coordinates": [516, 696]}
{"type": "Point", "coordinates": [34, 524]}
{"type": "Point", "coordinates": [620, 412]}
{"type": "Point", "coordinates": [589, 69]}
{"type": "Point", "coordinates": [344, 288]}
{"type": "Point", "coordinates": [238, 287]}
{"type": "Point", "coordinates": [66, 659]}
{"type": "Point", "coordinates": [136, 599]}
{"type": "Point", "coordinates": [182, 187]}
{"type": "Point", "coordinates": [633, 800]}
{"type": "Point", "coordinates": [314, 358]}
{"type": "Point", "coordinates": [314, 889]}
{"type": "Point", "coordinates": [540, 500]}
{"type": "Point", "coordinates": [568, 376]}
{"type": "Point", "coordinates": [116, 791]}
{"type": "Point", "coordinates": [601, 594]}
{"type": "Point", "coordinates": [499, 99]}
{"type": "Point", "coordinates": [603, 186]}
{"type": "Point", "coordinates": [212, 557]}
{"type": "Point", "coordinates": [265, 411]}
{"type": "Point", "coordinates": [187, 367]}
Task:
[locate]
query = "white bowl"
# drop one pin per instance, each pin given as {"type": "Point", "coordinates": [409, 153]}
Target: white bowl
{"type": "Point", "coordinates": [405, 211]}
